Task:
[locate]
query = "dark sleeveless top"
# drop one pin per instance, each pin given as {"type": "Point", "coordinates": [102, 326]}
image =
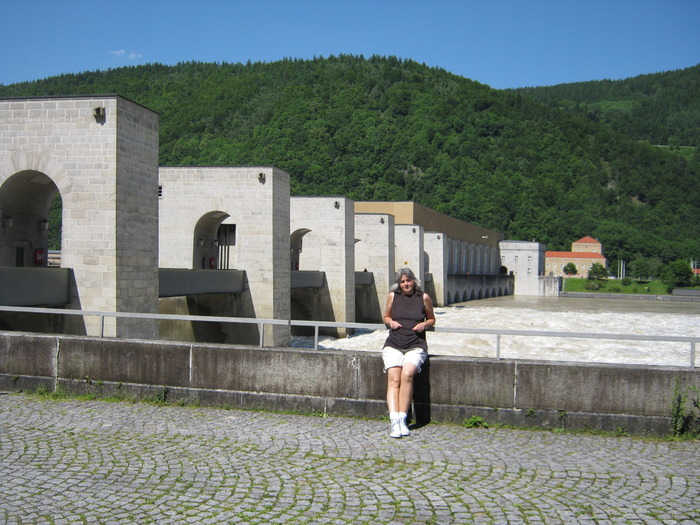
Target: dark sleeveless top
{"type": "Point", "coordinates": [408, 310]}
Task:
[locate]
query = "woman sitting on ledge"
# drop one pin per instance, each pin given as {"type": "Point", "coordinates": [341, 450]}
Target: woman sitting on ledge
{"type": "Point", "coordinates": [408, 313]}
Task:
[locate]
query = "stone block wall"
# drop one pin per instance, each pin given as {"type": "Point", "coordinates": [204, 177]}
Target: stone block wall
{"type": "Point", "coordinates": [374, 251]}
{"type": "Point", "coordinates": [109, 235]}
{"type": "Point", "coordinates": [409, 249]}
{"type": "Point", "coordinates": [328, 246]}
{"type": "Point", "coordinates": [197, 200]}
{"type": "Point", "coordinates": [526, 261]}
{"type": "Point", "coordinates": [437, 251]}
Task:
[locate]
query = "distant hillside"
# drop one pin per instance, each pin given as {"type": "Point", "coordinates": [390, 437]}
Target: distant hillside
{"type": "Point", "coordinates": [661, 108]}
{"type": "Point", "coordinates": [387, 129]}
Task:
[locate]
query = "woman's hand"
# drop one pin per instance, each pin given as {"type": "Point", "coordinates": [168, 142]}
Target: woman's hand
{"type": "Point", "coordinates": [420, 327]}
{"type": "Point", "coordinates": [393, 325]}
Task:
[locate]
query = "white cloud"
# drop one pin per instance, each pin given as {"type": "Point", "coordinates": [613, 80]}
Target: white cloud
{"type": "Point", "coordinates": [132, 55]}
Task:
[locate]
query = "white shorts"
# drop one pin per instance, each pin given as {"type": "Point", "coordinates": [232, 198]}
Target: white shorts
{"type": "Point", "coordinates": [393, 357]}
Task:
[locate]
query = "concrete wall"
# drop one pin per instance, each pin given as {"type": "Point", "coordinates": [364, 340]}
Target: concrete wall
{"type": "Point", "coordinates": [410, 251]}
{"type": "Point", "coordinates": [470, 287]}
{"type": "Point", "coordinates": [374, 252]}
{"type": "Point", "coordinates": [526, 260]}
{"type": "Point", "coordinates": [546, 394]}
{"type": "Point", "coordinates": [550, 286]}
{"type": "Point", "coordinates": [101, 154]}
{"type": "Point", "coordinates": [197, 200]}
{"type": "Point", "coordinates": [436, 247]}
{"type": "Point", "coordinates": [328, 245]}
{"type": "Point", "coordinates": [446, 245]}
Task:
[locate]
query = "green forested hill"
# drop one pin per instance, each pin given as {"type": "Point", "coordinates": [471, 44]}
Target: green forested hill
{"type": "Point", "coordinates": [660, 108]}
{"type": "Point", "coordinates": [388, 129]}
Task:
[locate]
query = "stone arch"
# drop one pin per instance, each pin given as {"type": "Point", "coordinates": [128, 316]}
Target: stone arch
{"type": "Point", "coordinates": [25, 203]}
{"type": "Point", "coordinates": [107, 177]}
{"type": "Point", "coordinates": [205, 253]}
{"type": "Point", "coordinates": [296, 246]}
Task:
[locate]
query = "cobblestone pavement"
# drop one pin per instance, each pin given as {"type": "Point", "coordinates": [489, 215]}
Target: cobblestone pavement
{"type": "Point", "coordinates": [73, 461]}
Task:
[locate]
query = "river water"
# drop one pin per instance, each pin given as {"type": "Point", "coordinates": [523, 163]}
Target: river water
{"type": "Point", "coordinates": [559, 314]}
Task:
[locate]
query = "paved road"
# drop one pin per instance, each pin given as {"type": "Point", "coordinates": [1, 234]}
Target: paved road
{"type": "Point", "coordinates": [71, 461]}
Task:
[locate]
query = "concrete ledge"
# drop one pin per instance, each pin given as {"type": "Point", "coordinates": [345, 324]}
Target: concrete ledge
{"type": "Point", "coordinates": [175, 282]}
{"type": "Point", "coordinates": [632, 297]}
{"type": "Point", "coordinates": [34, 286]}
{"type": "Point", "coordinates": [123, 361]}
{"type": "Point", "coordinates": [618, 389]}
{"type": "Point", "coordinates": [30, 355]}
{"type": "Point", "coordinates": [636, 399]}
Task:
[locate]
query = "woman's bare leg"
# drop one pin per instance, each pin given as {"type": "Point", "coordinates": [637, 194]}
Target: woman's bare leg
{"type": "Point", "coordinates": [406, 387]}
{"type": "Point", "coordinates": [393, 388]}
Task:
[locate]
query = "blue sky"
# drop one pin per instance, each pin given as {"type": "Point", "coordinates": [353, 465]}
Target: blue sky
{"type": "Point", "coordinates": [502, 43]}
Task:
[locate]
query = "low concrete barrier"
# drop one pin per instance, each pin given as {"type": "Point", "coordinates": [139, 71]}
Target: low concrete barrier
{"type": "Point", "coordinates": [633, 297]}
{"type": "Point", "coordinates": [450, 389]}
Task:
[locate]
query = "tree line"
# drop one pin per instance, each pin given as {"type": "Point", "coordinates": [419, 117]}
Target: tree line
{"type": "Point", "coordinates": [383, 128]}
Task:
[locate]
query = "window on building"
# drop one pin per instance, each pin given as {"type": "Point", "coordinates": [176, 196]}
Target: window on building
{"type": "Point", "coordinates": [516, 258]}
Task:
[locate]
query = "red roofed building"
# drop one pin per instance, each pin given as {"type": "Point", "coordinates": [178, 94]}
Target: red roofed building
{"type": "Point", "coordinates": [584, 254]}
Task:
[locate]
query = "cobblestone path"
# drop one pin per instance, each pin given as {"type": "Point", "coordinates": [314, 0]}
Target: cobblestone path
{"type": "Point", "coordinates": [72, 461]}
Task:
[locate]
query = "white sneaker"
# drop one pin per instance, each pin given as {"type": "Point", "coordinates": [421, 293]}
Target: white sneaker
{"type": "Point", "coordinates": [403, 428]}
{"type": "Point", "coordinates": [395, 428]}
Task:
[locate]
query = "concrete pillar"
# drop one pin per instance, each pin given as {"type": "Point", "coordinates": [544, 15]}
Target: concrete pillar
{"type": "Point", "coordinates": [436, 246]}
{"type": "Point", "coordinates": [101, 153]}
{"type": "Point", "coordinates": [328, 246]}
{"type": "Point", "coordinates": [196, 201]}
{"type": "Point", "coordinates": [409, 249]}
{"type": "Point", "coordinates": [374, 251]}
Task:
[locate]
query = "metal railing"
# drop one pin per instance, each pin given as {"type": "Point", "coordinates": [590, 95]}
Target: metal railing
{"type": "Point", "coordinates": [316, 325]}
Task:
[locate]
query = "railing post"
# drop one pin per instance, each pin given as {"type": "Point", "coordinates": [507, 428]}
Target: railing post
{"type": "Point", "coordinates": [102, 326]}
{"type": "Point", "coordinates": [261, 327]}
{"type": "Point", "coordinates": [316, 337]}
{"type": "Point", "coordinates": [692, 354]}
{"type": "Point", "coordinates": [498, 346]}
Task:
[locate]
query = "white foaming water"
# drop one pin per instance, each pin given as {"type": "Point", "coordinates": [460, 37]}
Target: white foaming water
{"type": "Point", "coordinates": [607, 316]}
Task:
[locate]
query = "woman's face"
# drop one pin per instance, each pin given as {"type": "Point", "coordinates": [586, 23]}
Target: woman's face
{"type": "Point", "coordinates": [406, 284]}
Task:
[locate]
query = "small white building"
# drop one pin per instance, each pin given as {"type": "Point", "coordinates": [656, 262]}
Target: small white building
{"type": "Point", "coordinates": [526, 261]}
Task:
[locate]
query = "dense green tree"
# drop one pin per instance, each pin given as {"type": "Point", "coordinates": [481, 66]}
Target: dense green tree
{"type": "Point", "coordinates": [389, 129]}
{"type": "Point", "coordinates": [660, 108]}
{"type": "Point", "coordinates": [570, 269]}
{"type": "Point", "coordinates": [598, 272]}
{"type": "Point", "coordinates": [645, 268]}
{"type": "Point", "coordinates": [677, 274]}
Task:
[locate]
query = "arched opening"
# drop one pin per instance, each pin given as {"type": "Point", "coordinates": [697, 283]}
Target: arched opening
{"type": "Point", "coordinates": [27, 227]}
{"type": "Point", "coordinates": [207, 240]}
{"type": "Point", "coordinates": [296, 246]}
